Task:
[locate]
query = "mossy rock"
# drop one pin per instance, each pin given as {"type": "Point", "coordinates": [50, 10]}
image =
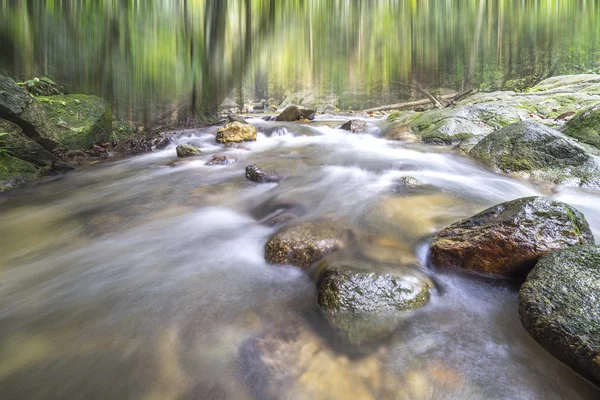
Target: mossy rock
{"type": "Point", "coordinates": [364, 301]}
{"type": "Point", "coordinates": [304, 244]}
{"type": "Point", "coordinates": [187, 150]}
{"type": "Point", "coordinates": [295, 113]}
{"type": "Point", "coordinates": [558, 305]}
{"type": "Point", "coordinates": [236, 132]}
{"type": "Point", "coordinates": [80, 121]}
{"type": "Point", "coordinates": [509, 238]}
{"type": "Point", "coordinates": [535, 151]}
{"type": "Point", "coordinates": [14, 171]}
{"type": "Point", "coordinates": [585, 127]}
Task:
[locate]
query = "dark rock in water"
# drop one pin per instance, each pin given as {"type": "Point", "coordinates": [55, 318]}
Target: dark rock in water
{"type": "Point", "coordinates": [509, 238]}
{"type": "Point", "coordinates": [236, 132]}
{"type": "Point", "coordinates": [585, 127]}
{"type": "Point", "coordinates": [535, 151]}
{"type": "Point", "coordinates": [220, 160]}
{"type": "Point", "coordinates": [559, 305]}
{"type": "Point", "coordinates": [363, 302]}
{"type": "Point", "coordinates": [295, 113]}
{"type": "Point", "coordinates": [267, 118]}
{"type": "Point", "coordinates": [186, 150]}
{"type": "Point", "coordinates": [355, 126]}
{"type": "Point", "coordinates": [306, 243]}
{"type": "Point", "coordinates": [236, 118]}
{"type": "Point", "coordinates": [408, 182]}
{"type": "Point", "coordinates": [259, 175]}
{"type": "Point", "coordinates": [294, 360]}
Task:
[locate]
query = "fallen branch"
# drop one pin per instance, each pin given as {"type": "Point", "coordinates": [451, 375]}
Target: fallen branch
{"type": "Point", "coordinates": [409, 104]}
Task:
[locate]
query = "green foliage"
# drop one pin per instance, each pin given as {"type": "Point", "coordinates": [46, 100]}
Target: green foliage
{"type": "Point", "coordinates": [42, 87]}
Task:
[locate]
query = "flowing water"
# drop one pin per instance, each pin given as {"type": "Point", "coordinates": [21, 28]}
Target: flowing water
{"type": "Point", "coordinates": [139, 279]}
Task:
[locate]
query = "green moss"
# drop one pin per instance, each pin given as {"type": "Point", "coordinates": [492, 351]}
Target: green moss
{"type": "Point", "coordinates": [79, 120]}
{"type": "Point", "coordinates": [394, 116]}
{"type": "Point", "coordinates": [585, 127]}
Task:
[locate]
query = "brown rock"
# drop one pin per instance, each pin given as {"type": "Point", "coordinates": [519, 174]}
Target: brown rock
{"type": "Point", "coordinates": [236, 132]}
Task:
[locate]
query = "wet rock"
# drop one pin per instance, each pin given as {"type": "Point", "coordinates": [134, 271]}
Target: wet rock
{"type": "Point", "coordinates": [355, 126]}
{"type": "Point", "coordinates": [294, 361]}
{"type": "Point", "coordinates": [509, 238]}
{"type": "Point", "coordinates": [532, 150]}
{"type": "Point", "coordinates": [363, 301]}
{"type": "Point", "coordinates": [236, 132]}
{"type": "Point", "coordinates": [281, 219]}
{"type": "Point", "coordinates": [558, 305]}
{"type": "Point", "coordinates": [295, 113]}
{"type": "Point", "coordinates": [585, 127]}
{"type": "Point", "coordinates": [186, 150]}
{"type": "Point", "coordinates": [401, 132]}
{"type": "Point", "coordinates": [408, 182]}
{"type": "Point", "coordinates": [259, 175]}
{"type": "Point", "coordinates": [467, 144]}
{"type": "Point", "coordinates": [14, 172]}
{"type": "Point", "coordinates": [220, 160]}
{"type": "Point", "coordinates": [306, 243]}
{"type": "Point", "coordinates": [233, 145]}
{"type": "Point", "coordinates": [236, 118]}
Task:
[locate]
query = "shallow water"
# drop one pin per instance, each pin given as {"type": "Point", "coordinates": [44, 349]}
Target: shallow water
{"type": "Point", "coordinates": [140, 280]}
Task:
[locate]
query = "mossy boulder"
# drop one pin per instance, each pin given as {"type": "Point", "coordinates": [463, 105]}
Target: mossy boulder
{"type": "Point", "coordinates": [355, 126]}
{"type": "Point", "coordinates": [509, 238]}
{"type": "Point", "coordinates": [535, 151]}
{"type": "Point", "coordinates": [559, 307]}
{"type": "Point", "coordinates": [14, 171]}
{"type": "Point", "coordinates": [80, 121]}
{"type": "Point", "coordinates": [236, 132]}
{"type": "Point", "coordinates": [363, 301]}
{"type": "Point", "coordinates": [305, 243]}
{"type": "Point", "coordinates": [295, 113]}
{"type": "Point", "coordinates": [187, 150]}
{"type": "Point", "coordinates": [585, 127]}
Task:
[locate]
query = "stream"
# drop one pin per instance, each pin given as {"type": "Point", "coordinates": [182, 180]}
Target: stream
{"type": "Point", "coordinates": [141, 278]}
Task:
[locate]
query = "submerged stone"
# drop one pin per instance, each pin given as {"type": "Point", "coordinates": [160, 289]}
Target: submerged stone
{"type": "Point", "coordinates": [187, 150]}
{"type": "Point", "coordinates": [535, 151]}
{"type": "Point", "coordinates": [304, 244]}
{"type": "Point", "coordinates": [236, 132]}
{"type": "Point", "coordinates": [509, 238]}
{"type": "Point", "coordinates": [559, 306]}
{"type": "Point", "coordinates": [220, 160]}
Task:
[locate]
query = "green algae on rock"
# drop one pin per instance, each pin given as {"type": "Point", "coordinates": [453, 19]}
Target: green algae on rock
{"type": "Point", "coordinates": [509, 238]}
{"type": "Point", "coordinates": [187, 150]}
{"type": "Point", "coordinates": [585, 127]}
{"type": "Point", "coordinates": [80, 121]}
{"type": "Point", "coordinates": [305, 243]}
{"type": "Point", "coordinates": [559, 307]}
{"type": "Point", "coordinates": [535, 151]}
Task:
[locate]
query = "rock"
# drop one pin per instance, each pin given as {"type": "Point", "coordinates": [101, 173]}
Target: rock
{"type": "Point", "coordinates": [281, 219]}
{"type": "Point", "coordinates": [80, 121]}
{"type": "Point", "coordinates": [236, 118]}
{"type": "Point", "coordinates": [509, 238]}
{"type": "Point", "coordinates": [408, 182]}
{"type": "Point", "coordinates": [585, 127]}
{"type": "Point", "coordinates": [362, 301]}
{"type": "Point", "coordinates": [558, 305]}
{"type": "Point", "coordinates": [293, 362]}
{"type": "Point", "coordinates": [295, 113]}
{"type": "Point", "coordinates": [236, 132]}
{"type": "Point", "coordinates": [535, 151]}
{"type": "Point", "coordinates": [259, 175]}
{"type": "Point", "coordinates": [187, 150]}
{"type": "Point", "coordinates": [220, 160]}
{"type": "Point", "coordinates": [355, 126]}
{"type": "Point", "coordinates": [401, 132]}
{"type": "Point", "coordinates": [304, 244]}
{"type": "Point", "coordinates": [14, 171]}
{"type": "Point", "coordinates": [466, 145]}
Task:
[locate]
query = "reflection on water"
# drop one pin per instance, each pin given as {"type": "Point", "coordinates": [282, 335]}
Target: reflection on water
{"type": "Point", "coordinates": [140, 280]}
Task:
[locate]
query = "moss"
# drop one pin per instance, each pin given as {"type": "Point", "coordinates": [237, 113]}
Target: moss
{"type": "Point", "coordinates": [394, 116]}
{"type": "Point", "coordinates": [79, 120]}
{"type": "Point", "coordinates": [585, 127]}
{"type": "Point", "coordinates": [13, 169]}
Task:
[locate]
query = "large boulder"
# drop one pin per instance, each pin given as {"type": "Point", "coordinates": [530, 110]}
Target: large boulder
{"type": "Point", "coordinates": [585, 127]}
{"type": "Point", "coordinates": [363, 301]}
{"type": "Point", "coordinates": [559, 306]}
{"type": "Point", "coordinates": [79, 121]}
{"type": "Point", "coordinates": [306, 243]}
{"type": "Point", "coordinates": [532, 150]}
{"type": "Point", "coordinates": [236, 132]}
{"type": "Point", "coordinates": [509, 238]}
{"type": "Point", "coordinates": [295, 113]}
{"type": "Point", "coordinates": [293, 362]}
